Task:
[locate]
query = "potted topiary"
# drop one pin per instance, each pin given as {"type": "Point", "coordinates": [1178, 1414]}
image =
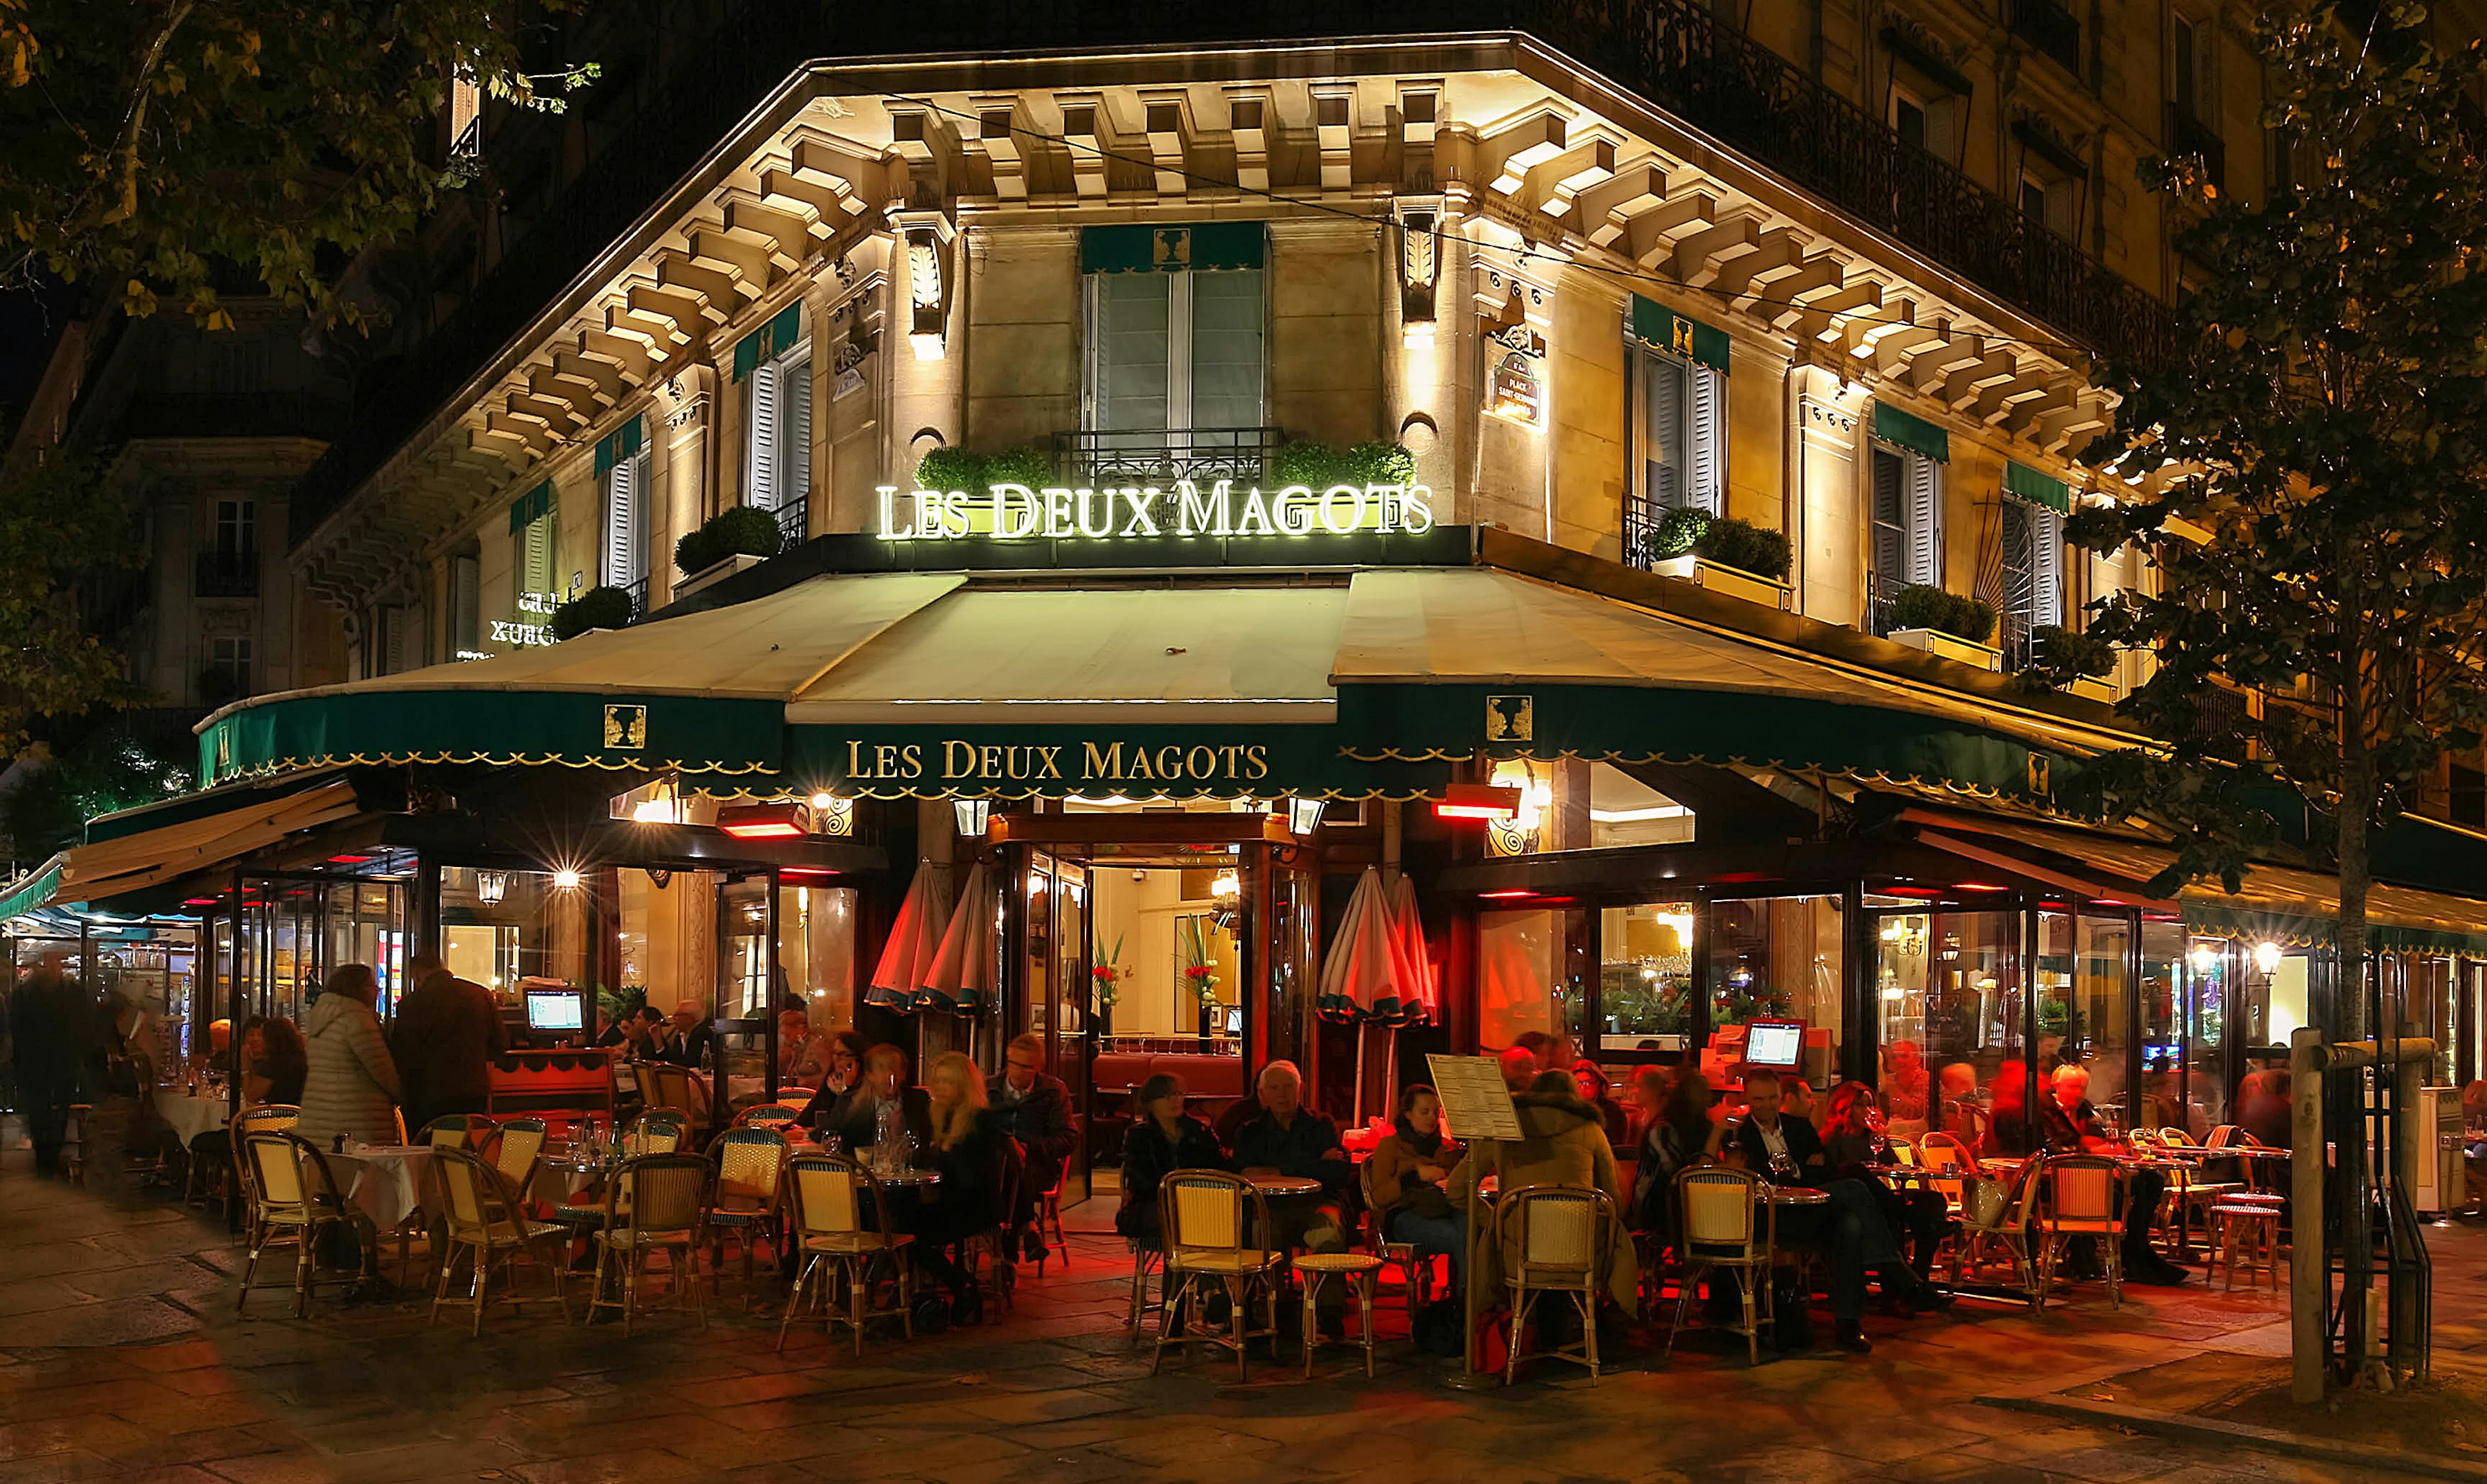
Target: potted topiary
{"type": "Point", "coordinates": [1746, 561]}
{"type": "Point", "coordinates": [597, 608]}
{"type": "Point", "coordinates": [950, 467]}
{"type": "Point", "coordinates": [1668, 546]}
{"type": "Point", "coordinates": [1926, 617]}
{"type": "Point", "coordinates": [2068, 659]}
{"type": "Point", "coordinates": [730, 541]}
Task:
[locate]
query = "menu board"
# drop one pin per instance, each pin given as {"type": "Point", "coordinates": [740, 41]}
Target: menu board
{"type": "Point", "coordinates": [1475, 1104]}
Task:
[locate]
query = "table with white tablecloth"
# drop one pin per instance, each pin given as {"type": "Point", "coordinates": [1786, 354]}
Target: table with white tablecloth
{"type": "Point", "coordinates": [188, 1114]}
{"type": "Point", "coordinates": [384, 1182]}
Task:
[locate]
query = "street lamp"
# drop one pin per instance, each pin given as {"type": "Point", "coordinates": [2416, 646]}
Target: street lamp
{"type": "Point", "coordinates": [2267, 956]}
{"type": "Point", "coordinates": [974, 814]}
{"type": "Point", "coordinates": [1303, 815]}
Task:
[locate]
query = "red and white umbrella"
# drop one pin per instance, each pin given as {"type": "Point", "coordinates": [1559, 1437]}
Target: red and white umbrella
{"type": "Point", "coordinates": [914, 942]}
{"type": "Point", "coordinates": [1408, 941]}
{"type": "Point", "coordinates": [961, 975]}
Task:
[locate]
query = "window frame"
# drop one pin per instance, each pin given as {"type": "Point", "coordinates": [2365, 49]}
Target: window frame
{"type": "Point", "coordinates": [625, 555]}
{"type": "Point", "coordinates": [765, 467]}
{"type": "Point", "coordinates": [1921, 551]}
{"type": "Point", "coordinates": [1181, 346]}
{"type": "Point", "coordinates": [1702, 469]}
{"type": "Point", "coordinates": [2041, 569]}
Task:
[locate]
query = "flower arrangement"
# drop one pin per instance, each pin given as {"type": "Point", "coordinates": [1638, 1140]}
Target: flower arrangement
{"type": "Point", "coordinates": [1107, 976]}
{"type": "Point", "coordinates": [1203, 981]}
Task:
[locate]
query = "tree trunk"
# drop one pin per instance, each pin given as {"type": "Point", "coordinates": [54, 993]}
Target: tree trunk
{"type": "Point", "coordinates": [2353, 1204]}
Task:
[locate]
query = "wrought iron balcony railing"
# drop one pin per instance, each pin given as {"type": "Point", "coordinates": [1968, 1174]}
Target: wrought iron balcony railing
{"type": "Point", "coordinates": [2048, 26]}
{"type": "Point", "coordinates": [226, 574]}
{"type": "Point", "coordinates": [1162, 455]}
{"type": "Point", "coordinates": [1677, 54]}
{"type": "Point", "coordinates": [2189, 135]}
{"type": "Point", "coordinates": [795, 521]}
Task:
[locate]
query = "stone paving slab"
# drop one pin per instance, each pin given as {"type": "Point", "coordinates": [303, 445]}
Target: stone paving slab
{"type": "Point", "coordinates": [122, 1358]}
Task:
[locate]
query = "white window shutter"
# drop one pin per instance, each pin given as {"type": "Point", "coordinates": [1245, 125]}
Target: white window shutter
{"type": "Point", "coordinates": [761, 483]}
{"type": "Point", "coordinates": [1664, 455]}
{"type": "Point", "coordinates": [1925, 520]}
{"type": "Point", "coordinates": [1707, 440]}
{"type": "Point", "coordinates": [621, 523]}
{"type": "Point", "coordinates": [2045, 567]}
{"type": "Point", "coordinates": [794, 448]}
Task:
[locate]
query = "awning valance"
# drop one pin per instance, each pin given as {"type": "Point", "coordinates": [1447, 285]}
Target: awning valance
{"type": "Point", "coordinates": [1374, 682]}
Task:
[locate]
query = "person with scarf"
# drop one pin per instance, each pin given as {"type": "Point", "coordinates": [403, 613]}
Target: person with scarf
{"type": "Point", "coordinates": [1404, 1180]}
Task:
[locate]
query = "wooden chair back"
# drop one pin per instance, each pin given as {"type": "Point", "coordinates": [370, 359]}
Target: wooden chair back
{"type": "Point", "coordinates": [1718, 1207]}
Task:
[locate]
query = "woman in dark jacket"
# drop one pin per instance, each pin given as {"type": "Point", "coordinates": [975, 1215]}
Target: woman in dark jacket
{"type": "Point", "coordinates": [1681, 1134]}
{"type": "Point", "coordinates": [972, 1154]}
{"type": "Point", "coordinates": [1164, 1140]}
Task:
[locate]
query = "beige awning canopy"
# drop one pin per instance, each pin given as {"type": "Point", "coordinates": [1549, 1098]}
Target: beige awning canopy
{"type": "Point", "coordinates": [147, 858]}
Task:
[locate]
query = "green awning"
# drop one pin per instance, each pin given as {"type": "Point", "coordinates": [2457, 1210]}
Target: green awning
{"type": "Point", "coordinates": [532, 506]}
{"type": "Point", "coordinates": [1908, 430]}
{"type": "Point", "coordinates": [619, 446]}
{"type": "Point", "coordinates": [36, 889]}
{"type": "Point", "coordinates": [1655, 324]}
{"type": "Point", "coordinates": [2020, 480]}
{"type": "Point", "coordinates": [1173, 247]}
{"type": "Point", "coordinates": [782, 333]}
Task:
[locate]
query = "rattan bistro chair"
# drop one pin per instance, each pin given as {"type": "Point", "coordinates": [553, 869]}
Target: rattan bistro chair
{"type": "Point", "coordinates": [657, 1203]}
{"type": "Point", "coordinates": [1208, 1217]}
{"type": "Point", "coordinates": [292, 1196]}
{"type": "Point", "coordinates": [829, 1198]}
{"type": "Point", "coordinates": [266, 1118]}
{"type": "Point", "coordinates": [1719, 1214]}
{"type": "Point", "coordinates": [1555, 1239]}
{"type": "Point", "coordinates": [2085, 1197]}
{"type": "Point", "coordinates": [768, 1115]}
{"type": "Point", "coordinates": [750, 1185]}
{"type": "Point", "coordinates": [518, 1153]}
{"type": "Point", "coordinates": [1995, 1213]}
{"type": "Point", "coordinates": [483, 1214]}
{"type": "Point", "coordinates": [458, 1131]}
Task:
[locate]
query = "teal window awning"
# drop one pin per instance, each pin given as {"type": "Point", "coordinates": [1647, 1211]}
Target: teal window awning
{"type": "Point", "coordinates": [620, 445]}
{"type": "Point", "coordinates": [1173, 247]}
{"type": "Point", "coordinates": [1907, 430]}
{"type": "Point", "coordinates": [532, 506]}
{"type": "Point", "coordinates": [2027, 483]}
{"type": "Point", "coordinates": [780, 334]}
{"type": "Point", "coordinates": [1655, 324]}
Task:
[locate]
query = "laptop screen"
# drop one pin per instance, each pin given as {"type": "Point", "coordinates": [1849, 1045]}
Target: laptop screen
{"type": "Point", "coordinates": [555, 1009]}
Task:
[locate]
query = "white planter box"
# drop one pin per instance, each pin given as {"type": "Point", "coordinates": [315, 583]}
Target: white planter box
{"type": "Point", "coordinates": [2101, 688]}
{"type": "Point", "coordinates": [1751, 587]}
{"type": "Point", "coordinates": [1676, 567]}
{"type": "Point", "coordinates": [707, 576]}
{"type": "Point", "coordinates": [1949, 647]}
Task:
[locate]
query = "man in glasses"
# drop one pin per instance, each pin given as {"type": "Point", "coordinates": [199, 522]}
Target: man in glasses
{"type": "Point", "coordinates": [1033, 1108]}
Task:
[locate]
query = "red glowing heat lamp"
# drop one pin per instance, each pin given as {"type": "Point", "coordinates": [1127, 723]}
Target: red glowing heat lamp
{"type": "Point", "coordinates": [198, 901]}
{"type": "Point", "coordinates": [1977, 886]}
{"type": "Point", "coordinates": [790, 820]}
{"type": "Point", "coordinates": [348, 860]}
{"type": "Point", "coordinates": [1478, 801]}
{"type": "Point", "coordinates": [1521, 894]}
{"type": "Point", "coordinates": [804, 873]}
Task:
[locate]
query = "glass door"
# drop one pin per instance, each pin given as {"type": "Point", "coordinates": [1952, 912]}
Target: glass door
{"type": "Point", "coordinates": [1055, 998]}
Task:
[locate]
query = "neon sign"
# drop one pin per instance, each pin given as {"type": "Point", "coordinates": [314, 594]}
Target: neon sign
{"type": "Point", "coordinates": [1018, 512]}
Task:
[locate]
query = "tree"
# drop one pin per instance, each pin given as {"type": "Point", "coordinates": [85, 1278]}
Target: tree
{"type": "Point", "coordinates": [47, 810]}
{"type": "Point", "coordinates": [2318, 518]}
{"type": "Point", "coordinates": [144, 143]}
{"type": "Point", "coordinates": [64, 529]}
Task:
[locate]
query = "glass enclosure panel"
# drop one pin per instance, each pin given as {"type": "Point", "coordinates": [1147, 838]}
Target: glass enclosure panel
{"type": "Point", "coordinates": [2098, 1022]}
{"type": "Point", "coordinates": [1907, 992]}
{"type": "Point", "coordinates": [1153, 927]}
{"type": "Point", "coordinates": [1645, 976]}
{"type": "Point", "coordinates": [1778, 958]}
{"type": "Point", "coordinates": [2426, 1008]}
{"type": "Point", "coordinates": [2165, 1098]}
{"type": "Point", "coordinates": [817, 949]}
{"type": "Point", "coordinates": [1294, 971]}
{"type": "Point", "coordinates": [1965, 1008]}
{"type": "Point", "coordinates": [744, 991]}
{"type": "Point", "coordinates": [2208, 963]}
{"type": "Point", "coordinates": [501, 928]}
{"type": "Point", "coordinates": [1526, 977]}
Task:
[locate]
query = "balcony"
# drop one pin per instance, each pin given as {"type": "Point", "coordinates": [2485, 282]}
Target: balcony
{"type": "Point", "coordinates": [1677, 54]}
{"type": "Point", "coordinates": [794, 522]}
{"type": "Point", "coordinates": [2189, 135]}
{"type": "Point", "coordinates": [1162, 455]}
{"type": "Point", "coordinates": [2047, 26]}
{"type": "Point", "coordinates": [226, 574]}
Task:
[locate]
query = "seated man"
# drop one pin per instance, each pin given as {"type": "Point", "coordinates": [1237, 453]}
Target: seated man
{"type": "Point", "coordinates": [2069, 1124]}
{"type": "Point", "coordinates": [1033, 1108]}
{"type": "Point", "coordinates": [1851, 1230]}
{"type": "Point", "coordinates": [1288, 1138]}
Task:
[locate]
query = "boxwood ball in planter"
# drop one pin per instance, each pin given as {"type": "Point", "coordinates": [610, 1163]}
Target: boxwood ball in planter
{"type": "Point", "coordinates": [1747, 547]}
{"type": "Point", "coordinates": [743, 531]}
{"type": "Point", "coordinates": [597, 608]}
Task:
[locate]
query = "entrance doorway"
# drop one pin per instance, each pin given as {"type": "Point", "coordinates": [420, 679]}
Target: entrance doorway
{"type": "Point", "coordinates": [1180, 944]}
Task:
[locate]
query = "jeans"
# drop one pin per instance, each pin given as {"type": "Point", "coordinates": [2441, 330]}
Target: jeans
{"type": "Point", "coordinates": [1432, 1236]}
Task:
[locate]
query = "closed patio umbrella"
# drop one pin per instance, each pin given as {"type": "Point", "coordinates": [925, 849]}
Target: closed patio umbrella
{"type": "Point", "coordinates": [961, 974]}
{"type": "Point", "coordinates": [914, 941]}
{"type": "Point", "coordinates": [1360, 971]}
{"type": "Point", "coordinates": [1424, 1001]}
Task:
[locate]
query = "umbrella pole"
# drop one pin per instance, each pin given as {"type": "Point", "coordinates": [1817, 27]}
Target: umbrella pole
{"type": "Point", "coordinates": [1360, 1029]}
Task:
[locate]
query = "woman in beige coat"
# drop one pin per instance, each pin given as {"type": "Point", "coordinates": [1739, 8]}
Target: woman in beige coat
{"type": "Point", "coordinates": [351, 1085]}
{"type": "Point", "coordinates": [1563, 1143]}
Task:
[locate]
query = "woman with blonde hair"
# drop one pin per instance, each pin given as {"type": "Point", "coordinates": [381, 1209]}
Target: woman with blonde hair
{"type": "Point", "coordinates": [974, 1159]}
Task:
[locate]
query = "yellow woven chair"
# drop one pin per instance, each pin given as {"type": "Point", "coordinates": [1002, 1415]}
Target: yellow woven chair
{"type": "Point", "coordinates": [1719, 1216]}
{"type": "Point", "coordinates": [482, 1214]}
{"type": "Point", "coordinates": [657, 1131]}
{"type": "Point", "coordinates": [1945, 1153]}
{"type": "Point", "coordinates": [768, 1115]}
{"type": "Point", "coordinates": [1355, 1271]}
{"type": "Point", "coordinates": [1208, 1217]}
{"type": "Point", "coordinates": [1415, 1273]}
{"type": "Point", "coordinates": [1555, 1239]}
{"type": "Point", "coordinates": [459, 1131]}
{"type": "Point", "coordinates": [750, 1185]}
{"type": "Point", "coordinates": [291, 1195]}
{"type": "Point", "coordinates": [668, 1088]}
{"type": "Point", "coordinates": [2085, 1197]}
{"type": "Point", "coordinates": [1995, 1213]}
{"type": "Point", "coordinates": [519, 1151]}
{"type": "Point", "coordinates": [266, 1118]}
{"type": "Point", "coordinates": [829, 1198]}
{"type": "Point", "coordinates": [656, 1202]}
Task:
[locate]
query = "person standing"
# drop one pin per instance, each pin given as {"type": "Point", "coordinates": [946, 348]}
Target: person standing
{"type": "Point", "coordinates": [447, 1031]}
{"type": "Point", "coordinates": [51, 1055]}
{"type": "Point", "coordinates": [1033, 1108]}
{"type": "Point", "coordinates": [349, 1083]}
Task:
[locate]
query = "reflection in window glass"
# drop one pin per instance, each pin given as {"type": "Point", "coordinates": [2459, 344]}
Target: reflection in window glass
{"type": "Point", "coordinates": [1776, 958]}
{"type": "Point", "coordinates": [1624, 810]}
{"type": "Point", "coordinates": [1645, 983]}
{"type": "Point", "coordinates": [2165, 1097]}
{"type": "Point", "coordinates": [2097, 1034]}
{"type": "Point", "coordinates": [2207, 962]}
{"type": "Point", "coordinates": [1526, 980]}
{"type": "Point", "coordinates": [1950, 988]}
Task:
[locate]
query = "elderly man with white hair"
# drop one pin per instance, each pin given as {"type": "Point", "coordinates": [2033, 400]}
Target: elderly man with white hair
{"type": "Point", "coordinates": [1288, 1138]}
{"type": "Point", "coordinates": [2072, 1124]}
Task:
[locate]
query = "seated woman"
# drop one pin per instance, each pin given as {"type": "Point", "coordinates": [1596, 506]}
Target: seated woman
{"type": "Point", "coordinates": [1684, 1133]}
{"type": "Point", "coordinates": [1406, 1180]}
{"type": "Point", "coordinates": [971, 1152]}
{"type": "Point", "coordinates": [1600, 1094]}
{"type": "Point", "coordinates": [1644, 1099]}
{"type": "Point", "coordinates": [273, 1062]}
{"type": "Point", "coordinates": [1853, 1137]}
{"type": "Point", "coordinates": [1164, 1140]}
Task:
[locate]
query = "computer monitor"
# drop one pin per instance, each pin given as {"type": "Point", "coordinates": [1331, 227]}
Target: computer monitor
{"type": "Point", "coordinates": [556, 1009]}
{"type": "Point", "coordinates": [1775, 1043]}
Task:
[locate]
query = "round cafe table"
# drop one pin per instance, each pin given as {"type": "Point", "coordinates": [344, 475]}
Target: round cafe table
{"type": "Point", "coordinates": [1285, 1184]}
{"type": "Point", "coordinates": [1795, 1195]}
{"type": "Point", "coordinates": [188, 1114]}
